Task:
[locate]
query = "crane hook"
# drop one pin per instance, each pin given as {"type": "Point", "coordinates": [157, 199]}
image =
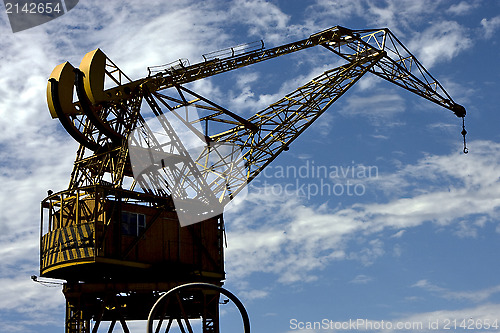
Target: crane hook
{"type": "Point", "coordinates": [464, 133]}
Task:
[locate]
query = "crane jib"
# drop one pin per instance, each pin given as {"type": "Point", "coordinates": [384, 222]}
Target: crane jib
{"type": "Point", "coordinates": [110, 102]}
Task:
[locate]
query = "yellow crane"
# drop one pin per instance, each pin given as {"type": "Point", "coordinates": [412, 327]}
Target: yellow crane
{"type": "Point", "coordinates": [114, 234]}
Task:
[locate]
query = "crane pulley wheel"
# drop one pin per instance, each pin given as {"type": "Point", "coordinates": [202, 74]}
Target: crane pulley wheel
{"type": "Point", "coordinates": [176, 303]}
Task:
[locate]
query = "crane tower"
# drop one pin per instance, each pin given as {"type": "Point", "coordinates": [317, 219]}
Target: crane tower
{"type": "Point", "coordinates": [116, 236]}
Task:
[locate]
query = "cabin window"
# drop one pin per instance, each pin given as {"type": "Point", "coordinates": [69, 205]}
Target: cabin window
{"type": "Point", "coordinates": [133, 224]}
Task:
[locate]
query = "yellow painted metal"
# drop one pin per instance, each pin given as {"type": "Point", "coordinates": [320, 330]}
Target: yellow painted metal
{"type": "Point", "coordinates": [75, 262]}
{"type": "Point", "coordinates": [69, 244]}
{"type": "Point", "coordinates": [73, 237]}
{"type": "Point", "coordinates": [59, 266]}
{"type": "Point", "coordinates": [84, 226]}
{"type": "Point", "coordinates": [93, 65]}
{"type": "Point", "coordinates": [97, 67]}
{"type": "Point", "coordinates": [65, 77]}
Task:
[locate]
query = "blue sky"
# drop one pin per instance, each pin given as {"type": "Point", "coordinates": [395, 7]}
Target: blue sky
{"type": "Point", "coordinates": [417, 242]}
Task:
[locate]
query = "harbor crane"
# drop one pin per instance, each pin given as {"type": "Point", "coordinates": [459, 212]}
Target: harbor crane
{"type": "Point", "coordinates": [116, 236]}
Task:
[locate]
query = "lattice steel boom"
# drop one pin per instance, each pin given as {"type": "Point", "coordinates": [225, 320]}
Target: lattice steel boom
{"type": "Point", "coordinates": [104, 118]}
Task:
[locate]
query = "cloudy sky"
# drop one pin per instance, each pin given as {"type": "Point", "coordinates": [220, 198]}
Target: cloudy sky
{"type": "Point", "coordinates": [402, 227]}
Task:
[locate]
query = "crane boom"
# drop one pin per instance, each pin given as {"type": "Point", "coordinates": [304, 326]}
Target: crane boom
{"type": "Point", "coordinates": [282, 122]}
{"type": "Point", "coordinates": [180, 74]}
{"type": "Point", "coordinates": [378, 52]}
{"type": "Point", "coordinates": [399, 66]}
{"type": "Point", "coordinates": [103, 119]}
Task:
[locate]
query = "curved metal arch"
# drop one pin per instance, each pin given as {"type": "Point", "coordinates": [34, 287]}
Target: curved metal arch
{"type": "Point", "coordinates": [228, 294]}
{"type": "Point", "coordinates": [91, 112]}
{"type": "Point", "coordinates": [65, 120]}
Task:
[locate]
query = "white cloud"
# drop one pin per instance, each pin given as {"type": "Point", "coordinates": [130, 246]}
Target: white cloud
{"type": "Point", "coordinates": [337, 10]}
{"type": "Point", "coordinates": [361, 279]}
{"type": "Point", "coordinates": [264, 18]}
{"type": "Point", "coordinates": [387, 104]}
{"type": "Point", "coordinates": [465, 229]}
{"type": "Point", "coordinates": [490, 26]}
{"type": "Point", "coordinates": [242, 97]}
{"type": "Point", "coordinates": [398, 234]}
{"type": "Point", "coordinates": [253, 294]}
{"type": "Point", "coordinates": [440, 42]}
{"type": "Point", "coordinates": [475, 296]}
{"type": "Point", "coordinates": [186, 30]}
{"type": "Point", "coordinates": [367, 82]}
{"type": "Point", "coordinates": [462, 8]}
{"type": "Point", "coordinates": [481, 313]}
{"type": "Point", "coordinates": [398, 14]}
{"type": "Point", "coordinates": [296, 244]}
{"type": "Point", "coordinates": [34, 306]}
